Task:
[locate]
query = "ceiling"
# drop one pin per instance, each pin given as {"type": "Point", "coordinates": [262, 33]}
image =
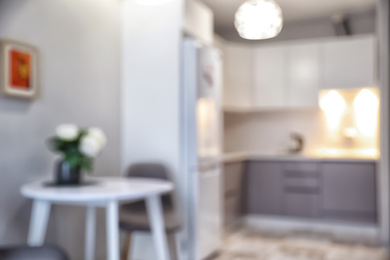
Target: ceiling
{"type": "Point", "coordinates": [293, 10]}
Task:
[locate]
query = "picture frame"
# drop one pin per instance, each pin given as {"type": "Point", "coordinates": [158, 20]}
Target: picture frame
{"type": "Point", "coordinates": [19, 70]}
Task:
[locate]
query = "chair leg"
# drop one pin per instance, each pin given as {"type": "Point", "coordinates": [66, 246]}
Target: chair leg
{"type": "Point", "coordinates": [172, 246]}
{"type": "Point", "coordinates": [178, 246]}
{"type": "Point", "coordinates": [127, 246]}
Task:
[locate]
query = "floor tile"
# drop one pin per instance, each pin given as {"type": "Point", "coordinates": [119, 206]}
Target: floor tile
{"type": "Point", "coordinates": [254, 245]}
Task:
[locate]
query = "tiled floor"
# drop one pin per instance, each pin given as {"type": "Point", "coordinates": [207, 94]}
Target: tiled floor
{"type": "Point", "coordinates": [252, 245]}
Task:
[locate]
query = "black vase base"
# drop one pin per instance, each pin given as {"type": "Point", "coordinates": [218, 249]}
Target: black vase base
{"type": "Point", "coordinates": [81, 184]}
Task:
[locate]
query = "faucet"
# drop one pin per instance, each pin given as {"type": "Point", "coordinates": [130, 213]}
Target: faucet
{"type": "Point", "coordinates": [298, 143]}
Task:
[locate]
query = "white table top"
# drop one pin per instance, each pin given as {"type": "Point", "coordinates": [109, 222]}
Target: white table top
{"type": "Point", "coordinates": [105, 189]}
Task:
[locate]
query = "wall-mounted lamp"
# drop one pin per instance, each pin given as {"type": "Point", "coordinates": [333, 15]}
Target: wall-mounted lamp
{"type": "Point", "coordinates": [333, 105]}
{"type": "Point", "coordinates": [366, 107]}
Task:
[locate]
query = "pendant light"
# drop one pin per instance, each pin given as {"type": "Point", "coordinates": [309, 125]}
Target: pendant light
{"type": "Point", "coordinates": [259, 19]}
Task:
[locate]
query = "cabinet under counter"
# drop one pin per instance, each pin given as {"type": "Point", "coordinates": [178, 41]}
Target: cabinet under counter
{"type": "Point", "coordinates": [339, 191]}
{"type": "Point", "coordinates": [233, 181]}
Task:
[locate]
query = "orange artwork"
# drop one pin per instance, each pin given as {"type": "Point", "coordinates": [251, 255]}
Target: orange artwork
{"type": "Point", "coordinates": [20, 69]}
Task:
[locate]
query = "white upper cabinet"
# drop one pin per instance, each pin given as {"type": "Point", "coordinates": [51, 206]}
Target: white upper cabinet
{"type": "Point", "coordinates": [238, 91]}
{"type": "Point", "coordinates": [302, 75]}
{"type": "Point", "coordinates": [291, 74]}
{"type": "Point", "coordinates": [349, 63]}
{"type": "Point", "coordinates": [269, 77]}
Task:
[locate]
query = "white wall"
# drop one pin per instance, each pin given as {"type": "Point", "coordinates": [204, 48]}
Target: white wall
{"type": "Point", "coordinates": [219, 42]}
{"type": "Point", "coordinates": [268, 132]}
{"type": "Point", "coordinates": [150, 86]}
{"type": "Point", "coordinates": [79, 79]}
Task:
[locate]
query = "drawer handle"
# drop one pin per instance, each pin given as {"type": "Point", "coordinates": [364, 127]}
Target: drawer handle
{"type": "Point", "coordinates": [301, 174]}
{"type": "Point", "coordinates": [302, 190]}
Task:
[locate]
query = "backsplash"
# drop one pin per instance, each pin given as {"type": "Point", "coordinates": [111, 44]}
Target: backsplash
{"type": "Point", "coordinates": [269, 132]}
{"type": "Point", "coordinates": [348, 128]}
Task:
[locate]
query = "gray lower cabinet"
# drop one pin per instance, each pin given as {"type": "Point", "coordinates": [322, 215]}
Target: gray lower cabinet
{"type": "Point", "coordinates": [233, 187]}
{"type": "Point", "coordinates": [264, 188]}
{"type": "Point", "coordinates": [349, 191]}
{"type": "Point", "coordinates": [320, 190]}
{"type": "Point", "coordinates": [282, 189]}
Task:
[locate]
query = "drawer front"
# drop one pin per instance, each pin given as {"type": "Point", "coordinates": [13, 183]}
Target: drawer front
{"type": "Point", "coordinates": [302, 177]}
{"type": "Point", "coordinates": [301, 167]}
{"type": "Point", "coordinates": [305, 185]}
{"type": "Point", "coordinates": [302, 205]}
{"type": "Point", "coordinates": [303, 174]}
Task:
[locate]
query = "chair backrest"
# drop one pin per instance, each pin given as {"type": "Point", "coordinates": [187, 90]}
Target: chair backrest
{"type": "Point", "coordinates": [149, 170]}
{"type": "Point", "coordinates": [154, 171]}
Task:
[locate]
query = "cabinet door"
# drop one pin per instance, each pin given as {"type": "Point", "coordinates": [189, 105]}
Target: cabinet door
{"type": "Point", "coordinates": [264, 188]}
{"type": "Point", "coordinates": [349, 63]}
{"type": "Point", "coordinates": [349, 191]}
{"type": "Point", "coordinates": [233, 184]}
{"type": "Point", "coordinates": [269, 77]}
{"type": "Point", "coordinates": [233, 177]}
{"type": "Point", "coordinates": [238, 77]}
{"type": "Point", "coordinates": [303, 75]}
{"type": "Point", "coordinates": [302, 205]}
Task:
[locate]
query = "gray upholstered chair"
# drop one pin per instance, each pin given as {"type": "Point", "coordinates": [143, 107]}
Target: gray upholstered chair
{"type": "Point", "coordinates": [32, 253]}
{"type": "Point", "coordinates": [133, 216]}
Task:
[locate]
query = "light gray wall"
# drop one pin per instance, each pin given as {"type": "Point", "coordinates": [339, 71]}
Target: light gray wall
{"type": "Point", "coordinates": [360, 23]}
{"type": "Point", "coordinates": [79, 44]}
{"type": "Point", "coordinates": [151, 91]}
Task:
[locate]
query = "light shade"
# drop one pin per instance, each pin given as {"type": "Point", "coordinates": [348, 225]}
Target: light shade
{"type": "Point", "coordinates": [366, 105]}
{"type": "Point", "coordinates": [334, 105]}
{"type": "Point", "coordinates": [259, 19]}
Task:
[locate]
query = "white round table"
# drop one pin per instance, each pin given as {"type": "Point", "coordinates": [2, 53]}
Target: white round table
{"type": "Point", "coordinates": [106, 192]}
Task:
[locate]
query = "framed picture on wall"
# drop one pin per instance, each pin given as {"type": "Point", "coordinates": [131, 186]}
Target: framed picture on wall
{"type": "Point", "coordinates": [19, 69]}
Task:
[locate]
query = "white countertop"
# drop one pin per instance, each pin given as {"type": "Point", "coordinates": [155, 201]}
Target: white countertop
{"type": "Point", "coordinates": [243, 156]}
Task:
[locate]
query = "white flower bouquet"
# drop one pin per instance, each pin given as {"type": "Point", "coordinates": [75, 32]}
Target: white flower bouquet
{"type": "Point", "coordinates": [78, 146]}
